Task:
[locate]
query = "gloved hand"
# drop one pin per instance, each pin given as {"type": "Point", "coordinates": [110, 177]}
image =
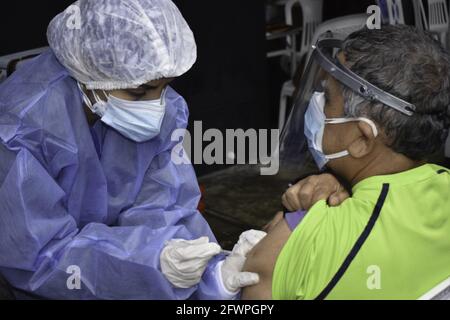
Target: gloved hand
{"type": "Point", "coordinates": [231, 270]}
{"type": "Point", "coordinates": [184, 262]}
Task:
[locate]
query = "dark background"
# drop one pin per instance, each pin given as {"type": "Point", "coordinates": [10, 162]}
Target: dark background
{"type": "Point", "coordinates": [24, 23]}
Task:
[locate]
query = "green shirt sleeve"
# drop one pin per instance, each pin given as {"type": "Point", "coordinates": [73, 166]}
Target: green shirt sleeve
{"type": "Point", "coordinates": [315, 251]}
{"type": "Point", "coordinates": [294, 265]}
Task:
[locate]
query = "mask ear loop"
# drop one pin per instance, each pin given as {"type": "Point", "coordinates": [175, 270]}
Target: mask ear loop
{"type": "Point", "coordinates": [346, 120]}
{"type": "Point", "coordinates": [86, 99]}
{"type": "Point", "coordinates": [163, 96]}
{"type": "Point", "coordinates": [99, 108]}
{"type": "Point", "coordinates": [337, 155]}
{"type": "Point", "coordinates": [97, 97]}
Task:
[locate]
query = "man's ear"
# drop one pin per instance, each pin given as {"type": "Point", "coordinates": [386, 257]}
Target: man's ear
{"type": "Point", "coordinates": [365, 143]}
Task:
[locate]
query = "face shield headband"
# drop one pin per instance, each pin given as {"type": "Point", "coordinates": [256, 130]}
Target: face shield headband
{"type": "Point", "coordinates": [351, 80]}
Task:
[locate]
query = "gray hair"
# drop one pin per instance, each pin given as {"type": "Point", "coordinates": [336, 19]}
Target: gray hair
{"type": "Point", "coordinates": [413, 66]}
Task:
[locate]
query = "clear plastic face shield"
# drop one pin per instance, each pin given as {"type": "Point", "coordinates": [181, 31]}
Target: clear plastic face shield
{"type": "Point", "coordinates": [303, 133]}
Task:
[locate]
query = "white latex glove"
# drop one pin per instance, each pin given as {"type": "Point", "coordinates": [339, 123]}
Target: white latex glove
{"type": "Point", "coordinates": [231, 270]}
{"type": "Point", "coordinates": [184, 262]}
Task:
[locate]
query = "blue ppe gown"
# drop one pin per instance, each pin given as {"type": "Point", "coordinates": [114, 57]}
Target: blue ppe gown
{"type": "Point", "coordinates": [87, 199]}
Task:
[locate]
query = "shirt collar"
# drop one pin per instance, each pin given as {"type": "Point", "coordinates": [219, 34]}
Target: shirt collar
{"type": "Point", "coordinates": [403, 178]}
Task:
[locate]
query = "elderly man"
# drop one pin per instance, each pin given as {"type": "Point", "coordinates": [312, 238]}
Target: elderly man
{"type": "Point", "coordinates": [380, 112]}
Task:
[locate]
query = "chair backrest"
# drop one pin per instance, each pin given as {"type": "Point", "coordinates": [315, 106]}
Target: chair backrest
{"type": "Point", "coordinates": [312, 16]}
{"type": "Point", "coordinates": [438, 16]}
{"type": "Point", "coordinates": [343, 25]}
{"type": "Point", "coordinates": [435, 19]}
{"type": "Point", "coordinates": [420, 17]}
{"type": "Point", "coordinates": [382, 4]}
{"type": "Point", "coordinates": [11, 62]}
{"type": "Point", "coordinates": [440, 292]}
{"type": "Point", "coordinates": [395, 11]}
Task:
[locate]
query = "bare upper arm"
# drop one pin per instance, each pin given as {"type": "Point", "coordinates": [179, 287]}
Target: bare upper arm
{"type": "Point", "coordinates": [262, 260]}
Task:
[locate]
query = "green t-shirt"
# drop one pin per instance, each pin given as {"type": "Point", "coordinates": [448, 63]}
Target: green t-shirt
{"type": "Point", "coordinates": [391, 240]}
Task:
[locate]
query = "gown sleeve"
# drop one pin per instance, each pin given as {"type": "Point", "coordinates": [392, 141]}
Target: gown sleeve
{"type": "Point", "coordinates": [41, 244]}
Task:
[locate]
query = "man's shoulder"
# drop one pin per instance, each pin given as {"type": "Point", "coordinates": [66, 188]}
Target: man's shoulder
{"type": "Point", "coordinates": [346, 219]}
{"type": "Point", "coordinates": [318, 246]}
{"type": "Point", "coordinates": [328, 233]}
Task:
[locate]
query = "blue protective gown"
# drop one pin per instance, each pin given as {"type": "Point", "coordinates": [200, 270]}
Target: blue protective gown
{"type": "Point", "coordinates": [71, 195]}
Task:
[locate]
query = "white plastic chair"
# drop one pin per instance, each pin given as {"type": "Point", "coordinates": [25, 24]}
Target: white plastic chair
{"type": "Point", "coordinates": [438, 18]}
{"type": "Point", "coordinates": [312, 11]}
{"type": "Point", "coordinates": [287, 91]}
{"type": "Point", "coordinates": [19, 57]}
{"type": "Point", "coordinates": [440, 292]}
{"type": "Point", "coordinates": [420, 18]}
{"type": "Point", "coordinates": [312, 15]}
{"type": "Point", "coordinates": [342, 25]}
{"type": "Point", "coordinates": [290, 35]}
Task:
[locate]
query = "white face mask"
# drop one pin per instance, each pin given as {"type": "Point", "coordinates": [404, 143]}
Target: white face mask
{"type": "Point", "coordinates": [315, 121]}
{"type": "Point", "coordinates": [139, 121]}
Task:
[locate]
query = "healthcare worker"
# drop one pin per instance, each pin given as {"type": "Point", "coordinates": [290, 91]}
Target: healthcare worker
{"type": "Point", "coordinates": [91, 205]}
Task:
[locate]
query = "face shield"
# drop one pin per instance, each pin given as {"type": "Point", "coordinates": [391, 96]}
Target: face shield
{"type": "Point", "coordinates": [297, 143]}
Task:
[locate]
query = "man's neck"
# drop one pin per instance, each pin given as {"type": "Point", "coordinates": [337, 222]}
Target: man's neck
{"type": "Point", "coordinates": [383, 163]}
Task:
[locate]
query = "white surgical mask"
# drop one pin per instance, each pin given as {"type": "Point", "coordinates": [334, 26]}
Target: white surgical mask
{"type": "Point", "coordinates": [315, 121]}
{"type": "Point", "coordinates": [139, 121]}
